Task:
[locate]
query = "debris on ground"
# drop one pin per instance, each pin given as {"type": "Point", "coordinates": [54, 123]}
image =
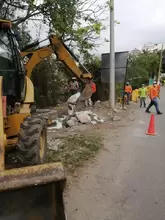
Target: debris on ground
{"type": "Point", "coordinates": [116, 118]}
{"type": "Point", "coordinates": [55, 144]}
{"type": "Point", "coordinates": [73, 139]}
{"type": "Point", "coordinates": [72, 151]}
{"type": "Point", "coordinates": [82, 117]}
{"type": "Point", "coordinates": [57, 123]}
{"type": "Point", "coordinates": [72, 122]}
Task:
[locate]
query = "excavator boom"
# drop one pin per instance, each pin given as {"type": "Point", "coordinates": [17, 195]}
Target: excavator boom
{"type": "Point", "coordinates": [32, 57]}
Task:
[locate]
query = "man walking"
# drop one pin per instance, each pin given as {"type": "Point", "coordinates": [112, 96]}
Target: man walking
{"type": "Point", "coordinates": [154, 99]}
{"type": "Point", "coordinates": [143, 95]}
{"type": "Point", "coordinates": [128, 91]}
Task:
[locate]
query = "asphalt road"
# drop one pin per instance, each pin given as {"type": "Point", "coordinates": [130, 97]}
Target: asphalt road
{"type": "Point", "coordinates": [127, 180]}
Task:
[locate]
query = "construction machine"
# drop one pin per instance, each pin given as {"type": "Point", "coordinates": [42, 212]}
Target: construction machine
{"type": "Point", "coordinates": [30, 190]}
{"type": "Point", "coordinates": [31, 56]}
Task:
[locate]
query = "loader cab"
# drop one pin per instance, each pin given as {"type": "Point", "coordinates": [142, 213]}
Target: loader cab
{"type": "Point", "coordinates": [11, 65]}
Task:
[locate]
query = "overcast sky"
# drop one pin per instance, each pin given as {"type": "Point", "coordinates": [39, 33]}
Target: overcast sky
{"type": "Point", "coordinates": [141, 21]}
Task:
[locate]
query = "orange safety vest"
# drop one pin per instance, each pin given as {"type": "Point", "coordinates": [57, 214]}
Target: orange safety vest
{"type": "Point", "coordinates": [93, 86]}
{"type": "Point", "coordinates": [128, 89]}
{"type": "Point", "coordinates": [153, 92]}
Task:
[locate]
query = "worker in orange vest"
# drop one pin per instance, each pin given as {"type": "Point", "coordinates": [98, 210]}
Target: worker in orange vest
{"type": "Point", "coordinates": [154, 99]}
{"type": "Point", "coordinates": [94, 94]}
{"type": "Point", "coordinates": [128, 91]}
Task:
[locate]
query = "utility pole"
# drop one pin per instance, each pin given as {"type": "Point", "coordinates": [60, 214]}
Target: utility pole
{"type": "Point", "coordinates": [112, 58]}
{"type": "Point", "coordinates": [160, 64]}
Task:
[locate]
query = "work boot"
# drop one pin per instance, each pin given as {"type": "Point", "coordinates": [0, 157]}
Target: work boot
{"type": "Point", "coordinates": [148, 111]}
{"type": "Point", "coordinates": [160, 113]}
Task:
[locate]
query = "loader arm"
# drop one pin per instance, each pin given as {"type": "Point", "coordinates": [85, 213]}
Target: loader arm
{"type": "Point", "coordinates": [32, 57]}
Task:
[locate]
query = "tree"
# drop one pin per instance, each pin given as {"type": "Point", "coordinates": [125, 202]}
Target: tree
{"type": "Point", "coordinates": [50, 80]}
{"type": "Point", "coordinates": [93, 64]}
{"type": "Point", "coordinates": [143, 66]}
{"type": "Point", "coordinates": [77, 22]}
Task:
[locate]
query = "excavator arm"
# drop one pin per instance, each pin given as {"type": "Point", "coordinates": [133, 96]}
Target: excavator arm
{"type": "Point", "coordinates": [34, 56]}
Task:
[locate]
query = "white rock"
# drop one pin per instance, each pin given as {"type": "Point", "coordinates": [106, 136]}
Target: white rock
{"type": "Point", "coordinates": [95, 118]}
{"type": "Point", "coordinates": [72, 122]}
{"type": "Point", "coordinates": [116, 118]}
{"type": "Point", "coordinates": [101, 121]}
{"type": "Point", "coordinates": [116, 110]}
{"type": "Point", "coordinates": [83, 117]}
{"type": "Point", "coordinates": [123, 108]}
{"type": "Point", "coordinates": [73, 99]}
{"type": "Point", "coordinates": [57, 126]}
{"type": "Point", "coordinates": [93, 122]}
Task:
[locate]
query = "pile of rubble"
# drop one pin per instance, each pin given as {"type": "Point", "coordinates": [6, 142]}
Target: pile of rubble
{"type": "Point", "coordinates": [82, 117]}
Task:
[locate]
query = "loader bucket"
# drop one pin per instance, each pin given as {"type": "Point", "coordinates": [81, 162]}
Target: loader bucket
{"type": "Point", "coordinates": [33, 193]}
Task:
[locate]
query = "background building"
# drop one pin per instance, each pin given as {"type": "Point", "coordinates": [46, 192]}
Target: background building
{"type": "Point", "coordinates": [153, 47]}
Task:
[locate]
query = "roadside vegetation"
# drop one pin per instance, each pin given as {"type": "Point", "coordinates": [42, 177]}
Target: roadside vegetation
{"type": "Point", "coordinates": [143, 66]}
{"type": "Point", "coordinates": [75, 150]}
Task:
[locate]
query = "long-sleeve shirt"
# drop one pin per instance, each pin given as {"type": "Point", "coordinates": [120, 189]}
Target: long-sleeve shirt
{"type": "Point", "coordinates": [153, 92]}
{"type": "Point", "coordinates": [128, 89]}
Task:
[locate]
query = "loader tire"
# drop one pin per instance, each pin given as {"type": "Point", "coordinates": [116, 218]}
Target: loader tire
{"type": "Point", "coordinates": [32, 142]}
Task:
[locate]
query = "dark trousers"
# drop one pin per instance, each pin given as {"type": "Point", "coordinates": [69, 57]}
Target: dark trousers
{"type": "Point", "coordinates": [128, 97]}
{"type": "Point", "coordinates": [142, 102]}
{"type": "Point", "coordinates": [155, 103]}
{"type": "Point", "coordinates": [94, 98]}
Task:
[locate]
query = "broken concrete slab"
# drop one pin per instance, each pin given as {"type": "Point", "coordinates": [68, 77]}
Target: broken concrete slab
{"type": "Point", "coordinates": [72, 122]}
{"type": "Point", "coordinates": [83, 117]}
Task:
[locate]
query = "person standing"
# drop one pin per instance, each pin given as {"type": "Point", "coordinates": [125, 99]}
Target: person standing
{"type": "Point", "coordinates": [143, 95]}
{"type": "Point", "coordinates": [73, 86]}
{"type": "Point", "coordinates": [94, 94]}
{"type": "Point", "coordinates": [128, 91]}
{"type": "Point", "coordinates": [89, 102]}
{"type": "Point", "coordinates": [154, 99]}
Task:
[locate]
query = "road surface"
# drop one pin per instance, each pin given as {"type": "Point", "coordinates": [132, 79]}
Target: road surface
{"type": "Point", "coordinates": [127, 179]}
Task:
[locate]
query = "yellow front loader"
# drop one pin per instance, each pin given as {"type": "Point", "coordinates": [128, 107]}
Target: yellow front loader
{"type": "Point", "coordinates": [29, 189]}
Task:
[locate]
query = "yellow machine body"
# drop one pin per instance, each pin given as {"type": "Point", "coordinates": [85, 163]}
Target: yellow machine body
{"type": "Point", "coordinates": [31, 57]}
{"type": "Point", "coordinates": [28, 189]}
